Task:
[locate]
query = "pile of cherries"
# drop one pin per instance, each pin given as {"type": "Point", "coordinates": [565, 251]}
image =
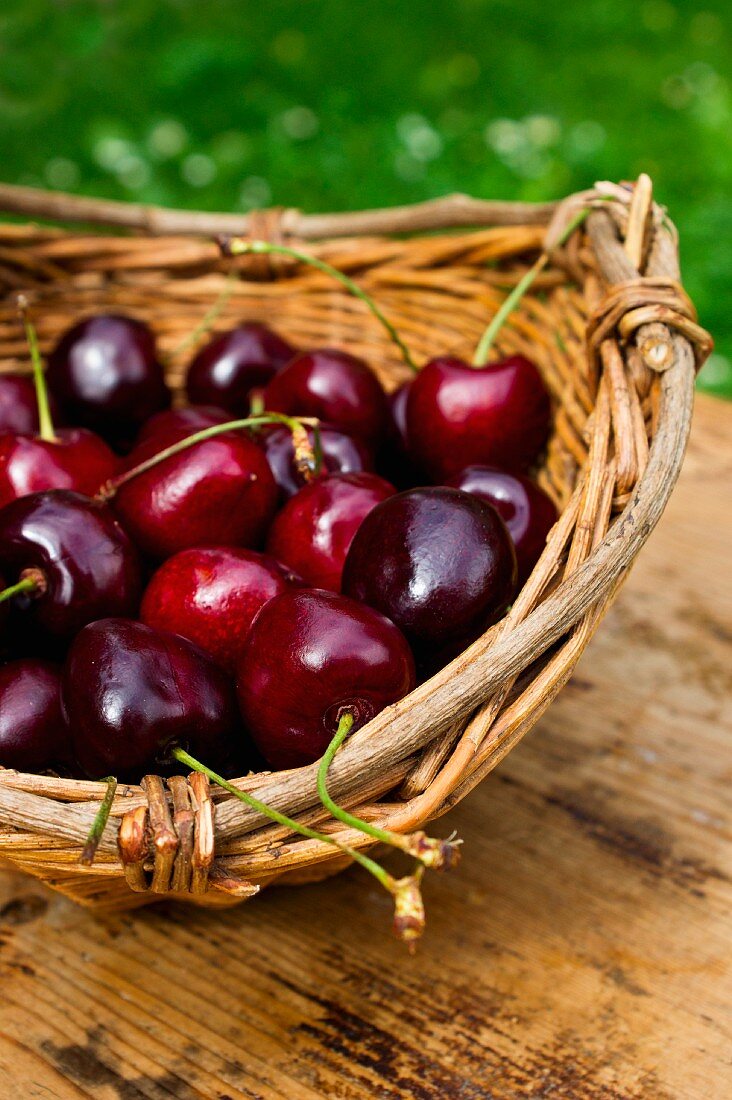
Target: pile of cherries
{"type": "Point", "coordinates": [249, 578]}
{"type": "Point", "coordinates": [232, 582]}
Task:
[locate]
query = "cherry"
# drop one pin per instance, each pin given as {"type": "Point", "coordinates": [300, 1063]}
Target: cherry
{"type": "Point", "coordinates": [105, 374]}
{"type": "Point", "coordinates": [48, 459]}
{"type": "Point", "coordinates": [218, 492]}
{"type": "Point", "coordinates": [226, 371]}
{"type": "Point", "coordinates": [33, 733]}
{"type": "Point", "coordinates": [212, 595]}
{"type": "Point", "coordinates": [131, 694]}
{"type": "Point", "coordinates": [438, 562]}
{"type": "Point", "coordinates": [314, 530]}
{"type": "Point", "coordinates": [168, 425]}
{"type": "Point", "coordinates": [333, 386]}
{"type": "Point", "coordinates": [341, 454]}
{"type": "Point", "coordinates": [527, 511]}
{"type": "Point", "coordinates": [18, 404]}
{"type": "Point", "coordinates": [69, 560]}
{"type": "Point", "coordinates": [73, 459]}
{"type": "Point", "coordinates": [459, 415]}
{"type": "Point", "coordinates": [310, 657]}
{"type": "Point", "coordinates": [394, 460]}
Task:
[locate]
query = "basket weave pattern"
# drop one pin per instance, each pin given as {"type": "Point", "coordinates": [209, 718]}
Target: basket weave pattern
{"type": "Point", "coordinates": [616, 340]}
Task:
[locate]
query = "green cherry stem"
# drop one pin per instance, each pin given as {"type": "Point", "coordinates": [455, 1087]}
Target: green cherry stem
{"type": "Point", "coordinates": [440, 854]}
{"type": "Point", "coordinates": [237, 246]}
{"type": "Point", "coordinates": [32, 582]}
{"type": "Point", "coordinates": [45, 423]}
{"type": "Point", "coordinates": [409, 913]}
{"type": "Point", "coordinates": [208, 319]}
{"type": "Point", "coordinates": [99, 824]}
{"type": "Point", "coordinates": [303, 452]}
{"type": "Point", "coordinates": [482, 352]}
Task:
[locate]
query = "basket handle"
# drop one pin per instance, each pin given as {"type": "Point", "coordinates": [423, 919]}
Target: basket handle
{"type": "Point", "coordinates": [455, 211]}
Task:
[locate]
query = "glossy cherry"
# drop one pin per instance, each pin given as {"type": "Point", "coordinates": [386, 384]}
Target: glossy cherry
{"type": "Point", "coordinates": [105, 374]}
{"type": "Point", "coordinates": [19, 405]}
{"type": "Point", "coordinates": [458, 415]}
{"type": "Point", "coordinates": [342, 454]}
{"type": "Point", "coordinates": [131, 694]}
{"type": "Point", "coordinates": [218, 492]}
{"type": "Point", "coordinates": [334, 386]}
{"type": "Point", "coordinates": [33, 733]}
{"type": "Point", "coordinates": [311, 656]}
{"type": "Point", "coordinates": [212, 595]}
{"type": "Point", "coordinates": [314, 530]}
{"type": "Point", "coordinates": [226, 371]}
{"type": "Point", "coordinates": [439, 562]}
{"type": "Point", "coordinates": [167, 426]}
{"type": "Point", "coordinates": [73, 459]}
{"type": "Point", "coordinates": [82, 562]}
{"type": "Point", "coordinates": [527, 511]}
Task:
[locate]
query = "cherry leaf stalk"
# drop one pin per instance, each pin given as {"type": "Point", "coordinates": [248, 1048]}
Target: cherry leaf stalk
{"type": "Point", "coordinates": [237, 246]}
{"type": "Point", "coordinates": [296, 425]}
{"type": "Point", "coordinates": [99, 824]}
{"type": "Point", "coordinates": [430, 851]}
{"type": "Point", "coordinates": [408, 907]}
{"type": "Point", "coordinates": [208, 320]}
{"type": "Point", "coordinates": [482, 352]}
{"type": "Point", "coordinates": [45, 422]}
{"type": "Point", "coordinates": [32, 581]}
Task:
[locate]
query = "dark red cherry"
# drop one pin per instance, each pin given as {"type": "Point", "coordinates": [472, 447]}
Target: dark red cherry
{"type": "Point", "coordinates": [104, 373]}
{"type": "Point", "coordinates": [33, 733]}
{"type": "Point", "coordinates": [393, 459]}
{"type": "Point", "coordinates": [131, 694]}
{"type": "Point", "coordinates": [83, 564]}
{"type": "Point", "coordinates": [314, 530]}
{"type": "Point", "coordinates": [212, 595]}
{"type": "Point", "coordinates": [457, 415]}
{"type": "Point", "coordinates": [342, 454]}
{"type": "Point", "coordinates": [440, 563]}
{"type": "Point", "coordinates": [74, 459]}
{"type": "Point", "coordinates": [172, 424]}
{"type": "Point", "coordinates": [309, 657]}
{"type": "Point", "coordinates": [219, 492]}
{"type": "Point", "coordinates": [227, 369]}
{"type": "Point", "coordinates": [19, 405]}
{"type": "Point", "coordinates": [527, 511]}
{"type": "Point", "coordinates": [334, 386]}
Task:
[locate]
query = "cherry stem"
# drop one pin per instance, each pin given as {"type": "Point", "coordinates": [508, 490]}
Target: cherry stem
{"type": "Point", "coordinates": [208, 319]}
{"type": "Point", "coordinates": [99, 824]}
{"type": "Point", "coordinates": [483, 350]}
{"type": "Point", "coordinates": [236, 246]}
{"type": "Point", "coordinates": [409, 914]}
{"type": "Point", "coordinates": [45, 422]}
{"type": "Point", "coordinates": [27, 584]}
{"type": "Point", "coordinates": [431, 852]}
{"type": "Point", "coordinates": [300, 440]}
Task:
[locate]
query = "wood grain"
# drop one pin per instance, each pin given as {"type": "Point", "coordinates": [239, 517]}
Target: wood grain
{"type": "Point", "coordinates": [580, 952]}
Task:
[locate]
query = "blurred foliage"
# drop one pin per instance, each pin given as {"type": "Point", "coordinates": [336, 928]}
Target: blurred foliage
{"type": "Point", "coordinates": [333, 105]}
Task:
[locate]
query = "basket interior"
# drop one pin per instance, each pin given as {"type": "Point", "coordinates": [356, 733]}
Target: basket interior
{"type": "Point", "coordinates": [439, 291]}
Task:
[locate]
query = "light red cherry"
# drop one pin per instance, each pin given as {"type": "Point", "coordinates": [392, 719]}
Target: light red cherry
{"type": "Point", "coordinates": [212, 595]}
{"type": "Point", "coordinates": [314, 530]}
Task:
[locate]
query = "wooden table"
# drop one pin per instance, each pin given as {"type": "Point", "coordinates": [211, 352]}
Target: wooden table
{"type": "Point", "coordinates": [581, 950]}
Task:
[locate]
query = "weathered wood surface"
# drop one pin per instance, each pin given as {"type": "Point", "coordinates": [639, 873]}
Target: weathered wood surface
{"type": "Point", "coordinates": [581, 951]}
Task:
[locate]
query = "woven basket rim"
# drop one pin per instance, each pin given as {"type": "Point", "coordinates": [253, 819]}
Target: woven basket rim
{"type": "Point", "coordinates": [481, 670]}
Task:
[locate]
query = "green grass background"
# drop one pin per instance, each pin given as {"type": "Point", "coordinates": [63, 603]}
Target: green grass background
{"type": "Point", "coordinates": [341, 104]}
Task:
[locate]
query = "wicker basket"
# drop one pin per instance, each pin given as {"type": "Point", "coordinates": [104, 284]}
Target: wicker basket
{"type": "Point", "coordinates": [616, 340]}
